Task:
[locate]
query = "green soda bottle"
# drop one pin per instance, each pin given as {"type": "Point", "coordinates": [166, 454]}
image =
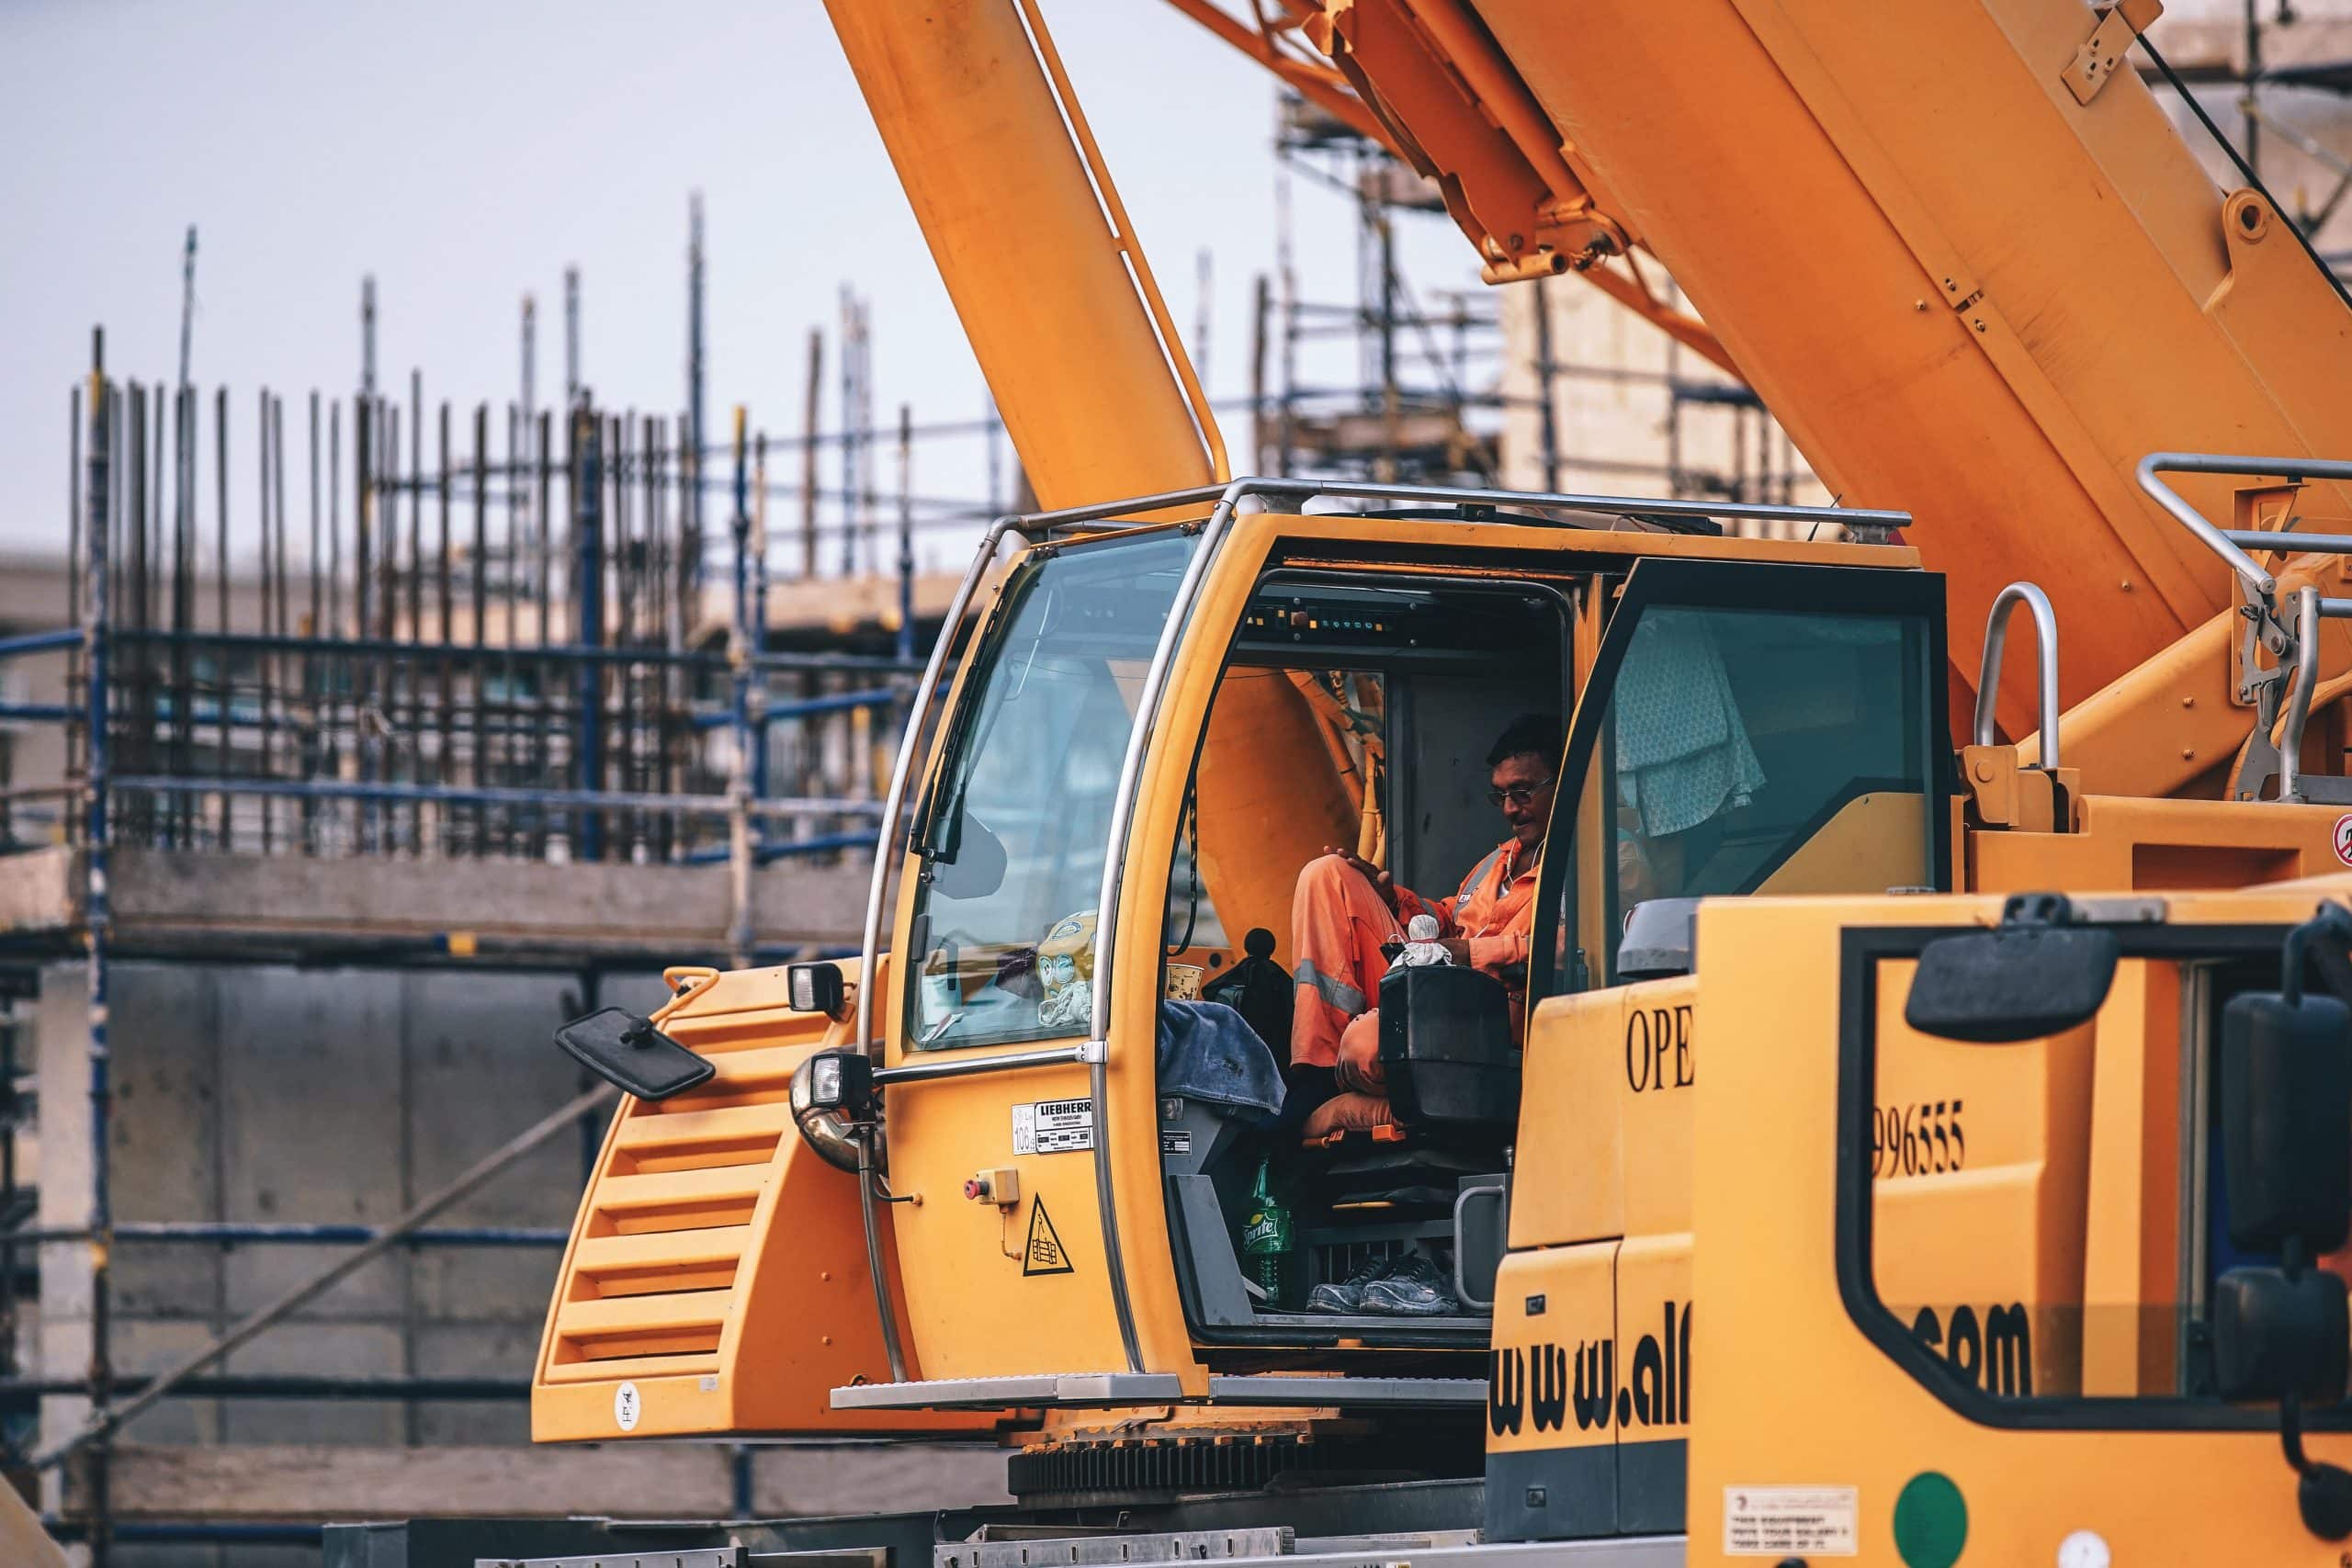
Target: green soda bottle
{"type": "Point", "coordinates": [1267, 1238]}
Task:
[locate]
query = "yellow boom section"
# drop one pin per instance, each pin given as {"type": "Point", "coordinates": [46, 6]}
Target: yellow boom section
{"type": "Point", "coordinates": [1034, 246]}
{"type": "Point", "coordinates": [1975, 276]}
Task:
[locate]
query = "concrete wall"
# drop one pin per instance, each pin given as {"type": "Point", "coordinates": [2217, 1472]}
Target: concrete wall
{"type": "Point", "coordinates": [273, 1095]}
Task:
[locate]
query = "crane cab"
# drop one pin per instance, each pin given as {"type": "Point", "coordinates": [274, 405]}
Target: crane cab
{"type": "Point", "coordinates": [1333, 680]}
{"type": "Point", "coordinates": [1156, 726]}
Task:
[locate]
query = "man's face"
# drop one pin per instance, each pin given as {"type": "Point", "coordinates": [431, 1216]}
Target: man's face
{"type": "Point", "coordinates": [1525, 784]}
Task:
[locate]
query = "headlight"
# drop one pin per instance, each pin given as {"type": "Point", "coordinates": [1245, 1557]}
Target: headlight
{"type": "Point", "coordinates": [816, 987]}
{"type": "Point", "coordinates": [825, 1083]}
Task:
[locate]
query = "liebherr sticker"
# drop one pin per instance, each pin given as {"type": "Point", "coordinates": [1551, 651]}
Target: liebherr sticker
{"type": "Point", "coordinates": [1053, 1127]}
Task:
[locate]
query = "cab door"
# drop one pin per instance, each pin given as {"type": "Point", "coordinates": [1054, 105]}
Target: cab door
{"type": "Point", "coordinates": [1746, 728]}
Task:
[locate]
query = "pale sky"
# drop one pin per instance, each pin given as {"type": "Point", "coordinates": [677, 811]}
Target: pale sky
{"type": "Point", "coordinates": [464, 153]}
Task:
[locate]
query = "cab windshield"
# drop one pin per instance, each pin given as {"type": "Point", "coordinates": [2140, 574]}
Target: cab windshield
{"type": "Point", "coordinates": [1012, 835]}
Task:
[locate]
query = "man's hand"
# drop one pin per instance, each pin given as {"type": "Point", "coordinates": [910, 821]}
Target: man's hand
{"type": "Point", "coordinates": [1382, 883]}
{"type": "Point", "coordinates": [1458, 948]}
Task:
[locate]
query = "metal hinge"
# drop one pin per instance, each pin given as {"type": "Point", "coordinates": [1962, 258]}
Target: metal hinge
{"type": "Point", "coordinates": [2101, 53]}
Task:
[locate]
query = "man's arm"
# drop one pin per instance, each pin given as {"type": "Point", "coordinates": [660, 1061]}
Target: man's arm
{"type": "Point", "coordinates": [1403, 900]}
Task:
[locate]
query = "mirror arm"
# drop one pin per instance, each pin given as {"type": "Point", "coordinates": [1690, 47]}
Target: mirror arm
{"type": "Point", "coordinates": [2322, 1491]}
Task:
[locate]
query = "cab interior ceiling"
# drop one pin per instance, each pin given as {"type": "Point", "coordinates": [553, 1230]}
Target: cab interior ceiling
{"type": "Point", "coordinates": [1455, 662]}
{"type": "Point", "coordinates": [1439, 669]}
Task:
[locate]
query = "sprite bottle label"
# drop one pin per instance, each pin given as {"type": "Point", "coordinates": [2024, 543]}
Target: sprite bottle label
{"type": "Point", "coordinates": [1267, 1236]}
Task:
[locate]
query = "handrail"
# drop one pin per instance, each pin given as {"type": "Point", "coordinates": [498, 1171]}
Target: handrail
{"type": "Point", "coordinates": [2299, 701]}
{"type": "Point", "coordinates": [1988, 670]}
{"type": "Point", "coordinates": [1003, 1061]}
{"type": "Point", "coordinates": [2311, 608]}
{"type": "Point", "coordinates": [1626, 508]}
{"type": "Point", "coordinates": [2226, 541]}
{"type": "Point", "coordinates": [2298, 642]}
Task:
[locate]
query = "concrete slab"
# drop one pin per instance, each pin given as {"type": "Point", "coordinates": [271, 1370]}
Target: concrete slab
{"type": "Point", "coordinates": [625, 1480]}
{"type": "Point", "coordinates": [292, 904]}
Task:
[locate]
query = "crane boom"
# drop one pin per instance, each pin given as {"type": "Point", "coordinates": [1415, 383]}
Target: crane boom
{"type": "Point", "coordinates": [1973, 275]}
{"type": "Point", "coordinates": [1085, 367]}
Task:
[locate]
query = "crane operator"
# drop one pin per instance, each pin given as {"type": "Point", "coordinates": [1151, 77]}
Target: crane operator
{"type": "Point", "coordinates": [1345, 909]}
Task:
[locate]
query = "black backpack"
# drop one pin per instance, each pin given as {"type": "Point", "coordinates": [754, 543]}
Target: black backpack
{"type": "Point", "coordinates": [1260, 990]}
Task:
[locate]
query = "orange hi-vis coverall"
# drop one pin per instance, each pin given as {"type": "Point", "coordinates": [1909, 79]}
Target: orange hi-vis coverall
{"type": "Point", "coordinates": [1338, 923]}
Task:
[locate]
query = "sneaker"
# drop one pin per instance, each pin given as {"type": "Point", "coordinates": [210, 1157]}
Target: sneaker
{"type": "Point", "coordinates": [1413, 1288]}
{"type": "Point", "coordinates": [1347, 1295]}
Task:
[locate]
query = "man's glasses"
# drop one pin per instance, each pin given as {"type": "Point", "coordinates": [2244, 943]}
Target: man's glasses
{"type": "Point", "coordinates": [1519, 795]}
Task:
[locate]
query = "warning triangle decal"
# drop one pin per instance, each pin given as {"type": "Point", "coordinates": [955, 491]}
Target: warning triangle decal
{"type": "Point", "coordinates": [1044, 1254]}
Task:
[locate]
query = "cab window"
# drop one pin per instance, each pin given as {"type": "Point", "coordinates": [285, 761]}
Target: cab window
{"type": "Point", "coordinates": [1736, 749]}
{"type": "Point", "coordinates": [1012, 837]}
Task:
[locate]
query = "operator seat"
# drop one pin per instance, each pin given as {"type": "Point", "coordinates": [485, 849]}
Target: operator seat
{"type": "Point", "coordinates": [1451, 1060]}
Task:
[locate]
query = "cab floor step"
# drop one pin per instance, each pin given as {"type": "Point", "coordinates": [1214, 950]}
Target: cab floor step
{"type": "Point", "coordinates": [1082, 1389]}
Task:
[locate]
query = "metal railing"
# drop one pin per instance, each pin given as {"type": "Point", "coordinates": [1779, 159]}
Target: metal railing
{"type": "Point", "coordinates": [2291, 637]}
{"type": "Point", "coordinates": [1988, 670]}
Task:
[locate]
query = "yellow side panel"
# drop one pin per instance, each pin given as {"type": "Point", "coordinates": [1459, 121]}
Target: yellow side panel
{"type": "Point", "coordinates": [1656, 1090]}
{"type": "Point", "coordinates": [1654, 1339]}
{"type": "Point", "coordinates": [990, 1291]}
{"type": "Point", "coordinates": [1873, 845]}
{"type": "Point", "coordinates": [1551, 1376]}
{"type": "Point", "coordinates": [2160, 846]}
{"type": "Point", "coordinates": [1855, 1418]}
{"type": "Point", "coordinates": [1568, 1181]}
{"type": "Point", "coordinates": [1981, 1185]}
{"type": "Point", "coordinates": [717, 1278]}
{"type": "Point", "coordinates": [1604, 1140]}
{"type": "Point", "coordinates": [2131, 1249]}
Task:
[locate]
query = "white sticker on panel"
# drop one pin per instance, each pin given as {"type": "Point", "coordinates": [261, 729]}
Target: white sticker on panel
{"type": "Point", "coordinates": [1053, 1127]}
{"type": "Point", "coordinates": [1791, 1521]}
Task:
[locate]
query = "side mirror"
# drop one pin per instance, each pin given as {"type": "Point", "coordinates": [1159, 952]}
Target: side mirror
{"type": "Point", "coordinates": [2279, 1338]}
{"type": "Point", "coordinates": [628, 1053]}
{"type": "Point", "coordinates": [2034, 975]}
{"type": "Point", "coordinates": [2286, 1071]}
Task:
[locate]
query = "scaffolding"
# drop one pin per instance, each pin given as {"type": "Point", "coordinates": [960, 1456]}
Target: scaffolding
{"type": "Point", "coordinates": [512, 653]}
{"type": "Point", "coordinates": [1426, 400]}
{"type": "Point", "coordinates": [1418, 408]}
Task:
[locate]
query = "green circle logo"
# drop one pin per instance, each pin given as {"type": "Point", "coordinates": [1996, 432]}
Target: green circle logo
{"type": "Point", "coordinates": [1930, 1521]}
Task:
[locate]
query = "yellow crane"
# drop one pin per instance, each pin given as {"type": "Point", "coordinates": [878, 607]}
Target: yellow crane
{"type": "Point", "coordinates": [1993, 1097]}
